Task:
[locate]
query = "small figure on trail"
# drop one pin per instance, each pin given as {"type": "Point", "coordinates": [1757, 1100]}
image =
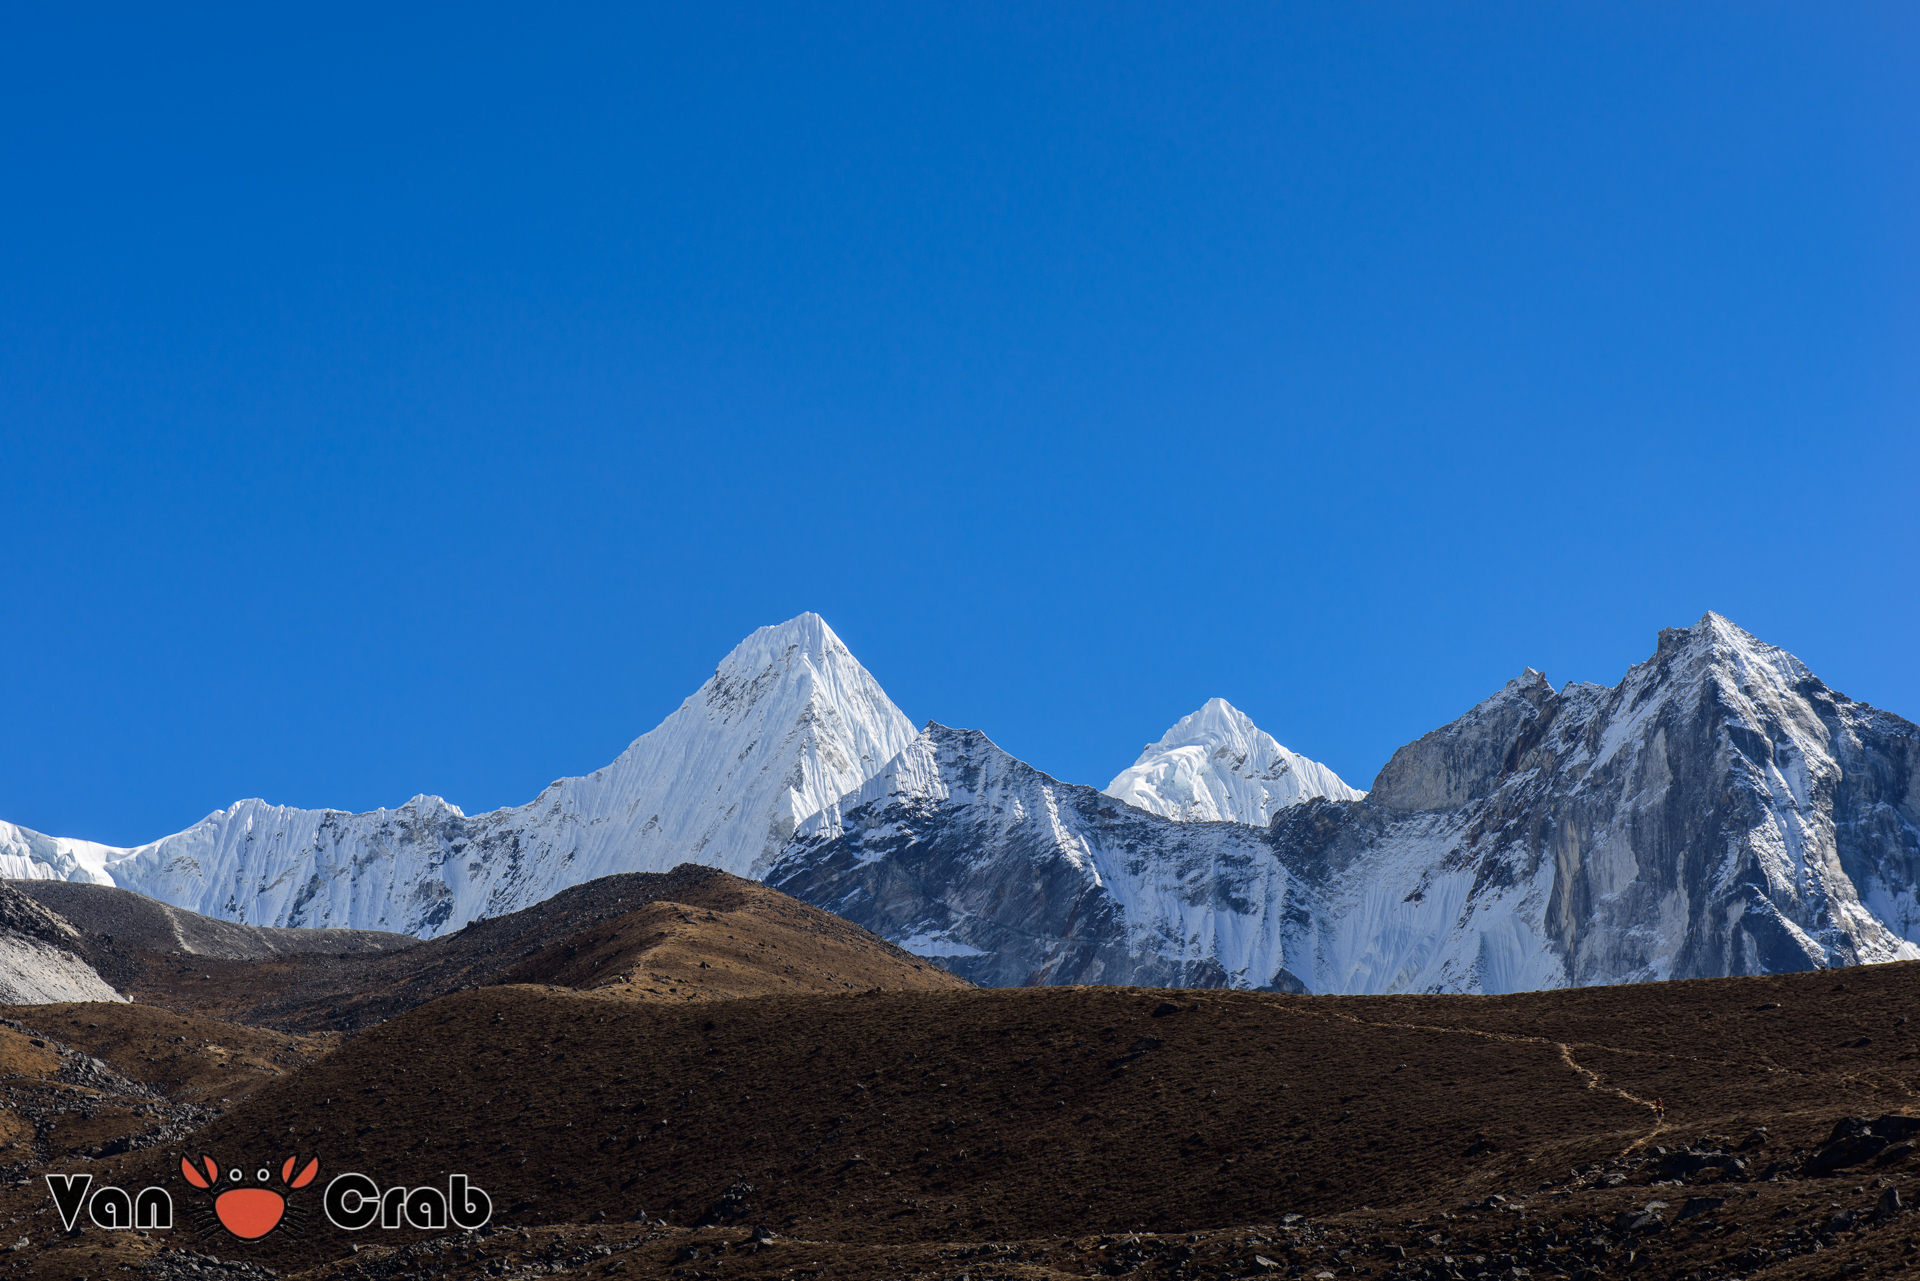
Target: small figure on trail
{"type": "Point", "coordinates": [1660, 1108]}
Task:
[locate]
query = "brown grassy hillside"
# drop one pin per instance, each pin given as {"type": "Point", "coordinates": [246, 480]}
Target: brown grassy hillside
{"type": "Point", "coordinates": [691, 934]}
{"type": "Point", "coordinates": [891, 1126]}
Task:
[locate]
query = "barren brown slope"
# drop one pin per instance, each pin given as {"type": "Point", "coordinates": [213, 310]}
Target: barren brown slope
{"type": "Point", "coordinates": [691, 934]}
{"type": "Point", "coordinates": [83, 1079]}
{"type": "Point", "coordinates": [765, 943]}
{"type": "Point", "coordinates": [110, 917]}
{"type": "Point", "coordinates": [889, 1118]}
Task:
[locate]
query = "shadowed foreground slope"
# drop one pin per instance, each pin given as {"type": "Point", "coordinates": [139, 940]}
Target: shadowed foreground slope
{"type": "Point", "coordinates": [82, 1080]}
{"type": "Point", "coordinates": [896, 1127]}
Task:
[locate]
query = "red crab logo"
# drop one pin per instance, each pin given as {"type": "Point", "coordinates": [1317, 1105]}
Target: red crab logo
{"type": "Point", "coordinates": [245, 1208]}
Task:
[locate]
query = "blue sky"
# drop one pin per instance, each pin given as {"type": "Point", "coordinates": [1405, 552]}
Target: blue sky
{"type": "Point", "coordinates": [407, 399]}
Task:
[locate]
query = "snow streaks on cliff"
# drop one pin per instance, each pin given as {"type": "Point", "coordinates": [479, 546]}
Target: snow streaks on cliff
{"type": "Point", "coordinates": [1720, 811]}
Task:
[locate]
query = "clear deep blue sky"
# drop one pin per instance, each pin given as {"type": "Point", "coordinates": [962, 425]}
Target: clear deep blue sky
{"type": "Point", "coordinates": [399, 399]}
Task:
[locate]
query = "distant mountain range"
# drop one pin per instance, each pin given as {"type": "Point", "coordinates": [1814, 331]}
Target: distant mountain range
{"type": "Point", "coordinates": [1720, 811]}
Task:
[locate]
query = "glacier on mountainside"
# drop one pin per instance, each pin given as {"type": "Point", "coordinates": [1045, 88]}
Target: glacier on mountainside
{"type": "Point", "coordinates": [1217, 764]}
{"type": "Point", "coordinates": [789, 722]}
{"type": "Point", "coordinates": [1720, 811]}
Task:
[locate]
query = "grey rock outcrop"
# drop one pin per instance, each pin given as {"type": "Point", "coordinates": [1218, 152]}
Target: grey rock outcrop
{"type": "Point", "coordinates": [42, 956]}
{"type": "Point", "coordinates": [962, 853]}
{"type": "Point", "coordinates": [1720, 811]}
{"type": "Point", "coordinates": [1463, 761]}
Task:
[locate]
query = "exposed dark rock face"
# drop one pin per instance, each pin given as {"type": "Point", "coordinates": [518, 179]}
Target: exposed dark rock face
{"type": "Point", "coordinates": [22, 916]}
{"type": "Point", "coordinates": [1719, 812]}
{"type": "Point", "coordinates": [964, 854]}
{"type": "Point", "coordinates": [1464, 761]}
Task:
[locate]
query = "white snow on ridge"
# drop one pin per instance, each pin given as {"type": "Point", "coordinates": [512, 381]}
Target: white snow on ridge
{"type": "Point", "coordinates": [1217, 764]}
{"type": "Point", "coordinates": [787, 724]}
{"type": "Point", "coordinates": [1718, 812]}
{"type": "Point", "coordinates": [27, 855]}
{"type": "Point", "coordinates": [1197, 903]}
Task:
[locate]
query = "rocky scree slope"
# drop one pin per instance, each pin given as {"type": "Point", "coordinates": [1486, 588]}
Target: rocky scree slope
{"type": "Point", "coordinates": [84, 1080]}
{"type": "Point", "coordinates": [43, 957]}
{"type": "Point", "coordinates": [789, 722]}
{"type": "Point", "coordinates": [1721, 811]}
{"type": "Point", "coordinates": [109, 917]}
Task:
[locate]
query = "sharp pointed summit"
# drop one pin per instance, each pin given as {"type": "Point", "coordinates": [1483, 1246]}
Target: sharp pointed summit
{"type": "Point", "coordinates": [1217, 764]}
{"type": "Point", "coordinates": [1718, 812]}
{"type": "Point", "coordinates": [787, 723]}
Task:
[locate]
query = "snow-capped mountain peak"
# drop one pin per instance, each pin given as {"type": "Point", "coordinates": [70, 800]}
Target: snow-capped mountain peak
{"type": "Point", "coordinates": [788, 723]}
{"type": "Point", "coordinates": [1719, 811]}
{"type": "Point", "coordinates": [1217, 764]}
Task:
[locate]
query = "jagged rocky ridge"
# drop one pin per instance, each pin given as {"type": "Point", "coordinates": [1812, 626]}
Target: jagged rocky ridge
{"type": "Point", "coordinates": [1012, 878]}
{"type": "Point", "coordinates": [1719, 812]}
{"type": "Point", "coordinates": [789, 722]}
{"type": "Point", "coordinates": [1217, 764]}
